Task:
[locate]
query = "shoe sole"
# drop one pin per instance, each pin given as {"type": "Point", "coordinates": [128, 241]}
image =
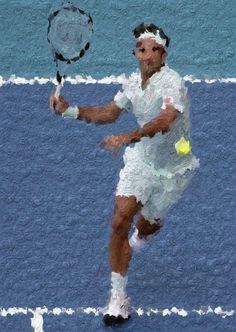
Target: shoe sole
{"type": "Point", "coordinates": [110, 320]}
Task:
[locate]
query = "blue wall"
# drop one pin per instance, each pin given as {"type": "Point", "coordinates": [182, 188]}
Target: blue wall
{"type": "Point", "coordinates": [203, 36]}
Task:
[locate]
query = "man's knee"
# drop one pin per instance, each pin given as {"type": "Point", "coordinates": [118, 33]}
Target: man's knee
{"type": "Point", "coordinates": [125, 209]}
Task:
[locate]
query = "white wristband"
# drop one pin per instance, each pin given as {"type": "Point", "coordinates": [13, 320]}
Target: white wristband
{"type": "Point", "coordinates": [71, 113]}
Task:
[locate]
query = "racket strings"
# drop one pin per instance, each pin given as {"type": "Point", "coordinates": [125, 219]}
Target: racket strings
{"type": "Point", "coordinates": [69, 31]}
{"type": "Point", "coordinates": [68, 34]}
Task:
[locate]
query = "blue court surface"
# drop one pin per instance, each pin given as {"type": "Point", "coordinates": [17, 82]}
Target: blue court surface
{"type": "Point", "coordinates": [56, 201]}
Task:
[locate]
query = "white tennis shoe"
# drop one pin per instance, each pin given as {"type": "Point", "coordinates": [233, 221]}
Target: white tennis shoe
{"type": "Point", "coordinates": [136, 243]}
{"type": "Point", "coordinates": [118, 309]}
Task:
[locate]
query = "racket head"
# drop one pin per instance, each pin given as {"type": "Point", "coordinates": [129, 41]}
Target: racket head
{"type": "Point", "coordinates": [69, 32]}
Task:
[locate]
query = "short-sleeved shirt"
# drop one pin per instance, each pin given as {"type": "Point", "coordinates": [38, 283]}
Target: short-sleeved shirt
{"type": "Point", "coordinates": [165, 87]}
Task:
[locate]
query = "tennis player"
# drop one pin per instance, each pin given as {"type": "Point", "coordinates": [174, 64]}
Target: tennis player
{"type": "Point", "coordinates": [156, 168]}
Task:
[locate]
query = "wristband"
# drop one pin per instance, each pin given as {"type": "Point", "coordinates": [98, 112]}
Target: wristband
{"type": "Point", "coordinates": [71, 113]}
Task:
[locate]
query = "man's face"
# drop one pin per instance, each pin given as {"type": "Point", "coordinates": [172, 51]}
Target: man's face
{"type": "Point", "coordinates": [150, 55]}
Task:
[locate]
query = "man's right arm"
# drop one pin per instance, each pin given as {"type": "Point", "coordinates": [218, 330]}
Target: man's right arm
{"type": "Point", "coordinates": [96, 114]}
{"type": "Point", "coordinates": [100, 114]}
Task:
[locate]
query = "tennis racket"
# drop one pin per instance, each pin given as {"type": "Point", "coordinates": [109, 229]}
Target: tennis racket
{"type": "Point", "coordinates": [68, 35]}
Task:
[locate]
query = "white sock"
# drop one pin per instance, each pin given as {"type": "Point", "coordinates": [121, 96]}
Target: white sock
{"type": "Point", "coordinates": [118, 303]}
{"type": "Point", "coordinates": [118, 282]}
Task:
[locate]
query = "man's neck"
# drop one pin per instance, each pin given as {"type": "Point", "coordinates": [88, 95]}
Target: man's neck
{"type": "Point", "coordinates": [146, 75]}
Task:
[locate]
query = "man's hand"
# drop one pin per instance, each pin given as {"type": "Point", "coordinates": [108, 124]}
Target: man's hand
{"type": "Point", "coordinates": [115, 142]}
{"type": "Point", "coordinates": [60, 104]}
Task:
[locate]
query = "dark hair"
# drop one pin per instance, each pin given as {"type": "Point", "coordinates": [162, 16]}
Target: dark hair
{"type": "Point", "coordinates": [141, 28]}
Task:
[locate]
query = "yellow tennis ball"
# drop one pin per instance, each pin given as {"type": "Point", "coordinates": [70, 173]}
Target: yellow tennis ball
{"type": "Point", "coordinates": [183, 147]}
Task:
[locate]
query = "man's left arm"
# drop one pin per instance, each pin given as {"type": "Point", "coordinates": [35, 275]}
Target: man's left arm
{"type": "Point", "coordinates": [161, 123]}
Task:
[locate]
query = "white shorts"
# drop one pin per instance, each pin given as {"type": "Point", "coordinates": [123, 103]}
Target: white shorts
{"type": "Point", "coordinates": [156, 192]}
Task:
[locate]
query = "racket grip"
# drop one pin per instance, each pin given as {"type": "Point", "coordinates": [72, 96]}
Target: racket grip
{"type": "Point", "coordinates": [57, 91]}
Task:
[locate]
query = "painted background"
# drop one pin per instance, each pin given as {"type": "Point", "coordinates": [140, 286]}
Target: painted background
{"type": "Point", "coordinates": [57, 187]}
{"type": "Point", "coordinates": [202, 32]}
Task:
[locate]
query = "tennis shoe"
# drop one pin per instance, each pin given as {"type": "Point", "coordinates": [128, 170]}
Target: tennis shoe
{"type": "Point", "coordinates": [118, 309]}
{"type": "Point", "coordinates": [136, 243]}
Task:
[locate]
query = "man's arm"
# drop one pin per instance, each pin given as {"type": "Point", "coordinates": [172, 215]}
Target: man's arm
{"type": "Point", "coordinates": [96, 114]}
{"type": "Point", "coordinates": [161, 123]}
{"type": "Point", "coordinates": [100, 114]}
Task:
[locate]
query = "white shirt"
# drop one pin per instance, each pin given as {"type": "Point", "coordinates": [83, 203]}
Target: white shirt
{"type": "Point", "coordinates": [165, 87]}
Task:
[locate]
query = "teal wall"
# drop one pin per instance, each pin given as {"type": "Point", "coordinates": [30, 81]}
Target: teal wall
{"type": "Point", "coordinates": [202, 32]}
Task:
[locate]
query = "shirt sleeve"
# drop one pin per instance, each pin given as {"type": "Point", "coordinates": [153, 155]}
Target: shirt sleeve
{"type": "Point", "coordinates": [175, 94]}
{"type": "Point", "coordinates": [122, 101]}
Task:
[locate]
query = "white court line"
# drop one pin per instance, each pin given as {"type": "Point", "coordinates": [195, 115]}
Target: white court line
{"type": "Point", "coordinates": [121, 79]}
{"type": "Point", "coordinates": [37, 319]}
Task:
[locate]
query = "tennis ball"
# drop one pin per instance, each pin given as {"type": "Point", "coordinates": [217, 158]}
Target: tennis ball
{"type": "Point", "coordinates": [182, 147]}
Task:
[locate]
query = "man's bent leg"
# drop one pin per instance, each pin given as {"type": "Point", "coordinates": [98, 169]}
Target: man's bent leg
{"type": "Point", "coordinates": [144, 230]}
{"type": "Point", "coordinates": [120, 252]}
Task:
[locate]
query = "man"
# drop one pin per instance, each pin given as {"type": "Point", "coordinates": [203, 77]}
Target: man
{"type": "Point", "coordinates": [155, 172]}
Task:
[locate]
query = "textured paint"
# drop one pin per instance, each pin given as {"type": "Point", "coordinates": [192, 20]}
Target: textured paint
{"type": "Point", "coordinates": [57, 187]}
{"type": "Point", "coordinates": [37, 321]}
{"type": "Point", "coordinates": [106, 80]}
{"type": "Point", "coordinates": [195, 29]}
{"type": "Point", "coordinates": [56, 197]}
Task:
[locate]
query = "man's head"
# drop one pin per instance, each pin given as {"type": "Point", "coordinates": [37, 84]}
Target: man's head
{"type": "Point", "coordinates": [150, 48]}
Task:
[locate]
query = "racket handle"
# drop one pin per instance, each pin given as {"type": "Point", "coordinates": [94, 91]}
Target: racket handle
{"type": "Point", "coordinates": [57, 91]}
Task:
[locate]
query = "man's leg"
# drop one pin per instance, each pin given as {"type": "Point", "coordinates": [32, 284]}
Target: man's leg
{"type": "Point", "coordinates": [144, 230]}
{"type": "Point", "coordinates": [120, 255]}
{"type": "Point", "coordinates": [120, 252]}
